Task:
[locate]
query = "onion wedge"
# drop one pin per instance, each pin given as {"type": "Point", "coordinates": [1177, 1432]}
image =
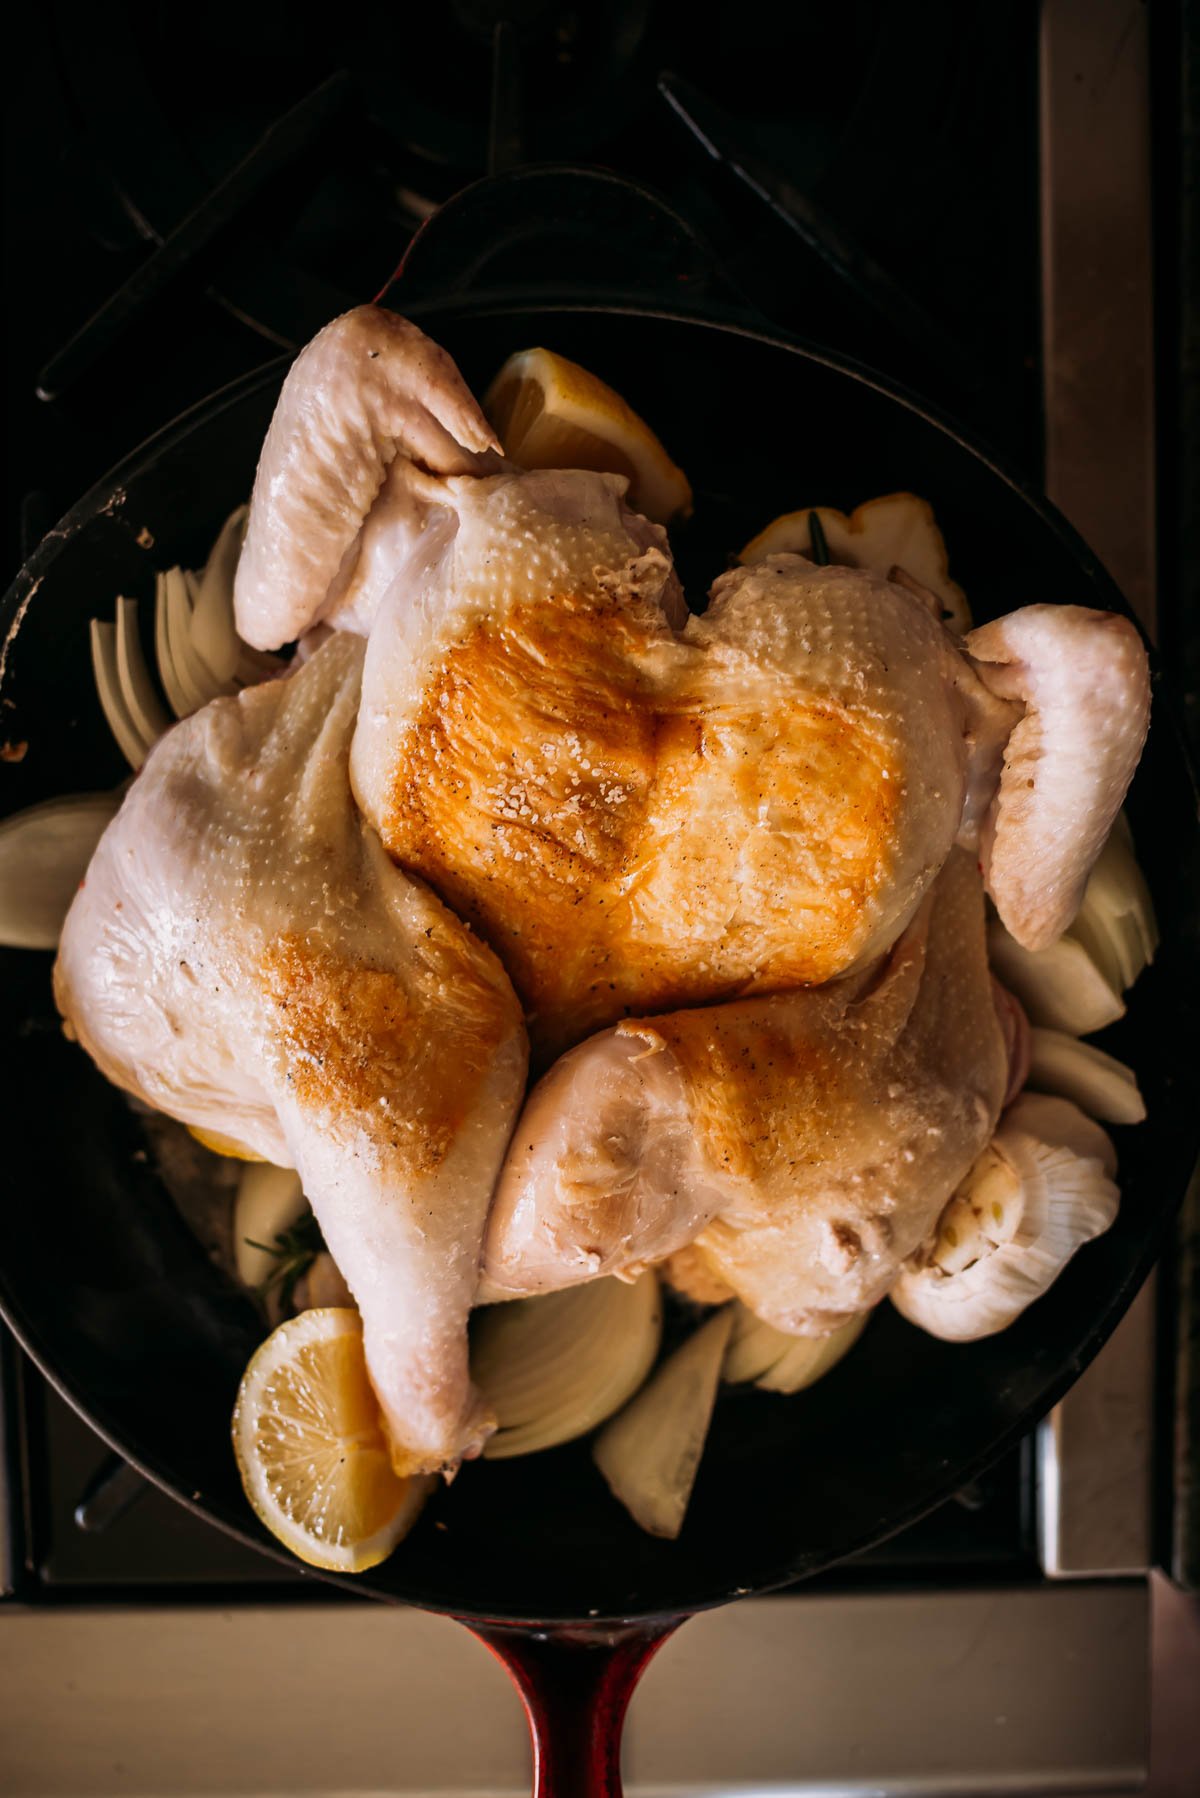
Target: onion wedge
{"type": "Point", "coordinates": [196, 683]}
{"type": "Point", "coordinates": [1116, 922]}
{"type": "Point", "coordinates": [213, 636]}
{"type": "Point", "coordinates": [44, 853]}
{"type": "Point", "coordinates": [1060, 987]}
{"type": "Point", "coordinates": [554, 1367]}
{"type": "Point", "coordinates": [1099, 1084]}
{"type": "Point", "coordinates": [137, 689]}
{"type": "Point", "coordinates": [269, 1201]}
{"type": "Point", "coordinates": [778, 1362]}
{"type": "Point", "coordinates": [134, 746]}
{"type": "Point", "coordinates": [649, 1454]}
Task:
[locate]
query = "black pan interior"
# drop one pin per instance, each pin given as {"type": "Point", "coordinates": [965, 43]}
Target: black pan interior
{"type": "Point", "coordinates": [112, 1294]}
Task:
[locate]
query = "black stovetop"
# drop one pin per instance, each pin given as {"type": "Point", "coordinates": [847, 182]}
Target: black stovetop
{"type": "Point", "coordinates": [305, 159]}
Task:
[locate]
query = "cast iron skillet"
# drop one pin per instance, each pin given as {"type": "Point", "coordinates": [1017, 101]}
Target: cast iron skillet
{"type": "Point", "coordinates": [118, 1305]}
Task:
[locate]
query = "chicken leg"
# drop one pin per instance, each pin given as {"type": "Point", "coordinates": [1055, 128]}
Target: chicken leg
{"type": "Point", "coordinates": [804, 1143]}
{"type": "Point", "coordinates": [244, 956]}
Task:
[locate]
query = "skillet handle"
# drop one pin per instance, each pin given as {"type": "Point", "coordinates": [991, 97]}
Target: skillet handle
{"type": "Point", "coordinates": [576, 1685]}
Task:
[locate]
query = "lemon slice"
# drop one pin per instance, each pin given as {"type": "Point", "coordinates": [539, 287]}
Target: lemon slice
{"type": "Point", "coordinates": [550, 413]}
{"type": "Point", "coordinates": [221, 1145]}
{"type": "Point", "coordinates": [311, 1450]}
{"type": "Point", "coordinates": [896, 530]}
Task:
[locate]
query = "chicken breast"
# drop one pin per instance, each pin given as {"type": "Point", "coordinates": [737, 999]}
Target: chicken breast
{"type": "Point", "coordinates": [637, 817]}
{"type": "Point", "coordinates": [244, 956]}
{"type": "Point", "coordinates": [804, 1144]}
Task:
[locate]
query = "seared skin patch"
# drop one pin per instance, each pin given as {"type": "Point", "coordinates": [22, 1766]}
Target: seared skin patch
{"type": "Point", "coordinates": [362, 1037]}
{"type": "Point", "coordinates": [624, 843]}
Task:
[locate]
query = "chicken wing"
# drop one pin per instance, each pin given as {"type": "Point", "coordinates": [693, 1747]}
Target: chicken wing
{"type": "Point", "coordinates": [244, 956]}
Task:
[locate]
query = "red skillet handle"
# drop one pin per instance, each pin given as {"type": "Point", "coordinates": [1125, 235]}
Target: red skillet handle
{"type": "Point", "coordinates": [576, 1685]}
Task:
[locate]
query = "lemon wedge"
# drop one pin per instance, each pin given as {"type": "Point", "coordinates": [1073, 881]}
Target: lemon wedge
{"type": "Point", "coordinates": [550, 413]}
{"type": "Point", "coordinates": [221, 1145]}
{"type": "Point", "coordinates": [896, 530]}
{"type": "Point", "coordinates": [310, 1446]}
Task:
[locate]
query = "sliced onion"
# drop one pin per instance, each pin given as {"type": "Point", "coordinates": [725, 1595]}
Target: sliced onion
{"type": "Point", "coordinates": [554, 1367]}
{"type": "Point", "coordinates": [1060, 987]}
{"type": "Point", "coordinates": [130, 741]}
{"type": "Point", "coordinates": [1098, 1083]}
{"type": "Point", "coordinates": [213, 636]}
{"type": "Point", "coordinates": [137, 688]}
{"type": "Point", "coordinates": [1116, 922]}
{"type": "Point", "coordinates": [649, 1454]}
{"type": "Point", "coordinates": [195, 679]}
{"type": "Point", "coordinates": [1058, 1193]}
{"type": "Point", "coordinates": [44, 854]}
{"type": "Point", "coordinates": [269, 1201]}
{"type": "Point", "coordinates": [781, 1363]}
{"type": "Point", "coordinates": [177, 696]}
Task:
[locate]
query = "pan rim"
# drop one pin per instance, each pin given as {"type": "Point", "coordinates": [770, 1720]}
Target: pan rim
{"type": "Point", "coordinates": [107, 494]}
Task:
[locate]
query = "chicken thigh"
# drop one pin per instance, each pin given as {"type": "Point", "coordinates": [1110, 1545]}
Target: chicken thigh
{"type": "Point", "coordinates": [244, 956]}
{"type": "Point", "coordinates": [640, 810]}
{"type": "Point", "coordinates": [804, 1144]}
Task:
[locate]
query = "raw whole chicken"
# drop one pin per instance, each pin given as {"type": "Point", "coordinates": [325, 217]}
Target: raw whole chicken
{"type": "Point", "coordinates": [804, 1143]}
{"type": "Point", "coordinates": [244, 956]}
{"type": "Point", "coordinates": [753, 831]}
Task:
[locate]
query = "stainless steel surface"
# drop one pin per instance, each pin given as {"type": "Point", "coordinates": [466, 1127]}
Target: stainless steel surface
{"type": "Point", "coordinates": [957, 1692]}
{"type": "Point", "coordinates": [1094, 1451]}
{"type": "Point", "coordinates": [1094, 1459]}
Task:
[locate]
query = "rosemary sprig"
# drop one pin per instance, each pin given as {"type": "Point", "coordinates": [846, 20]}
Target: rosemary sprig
{"type": "Point", "coordinates": [818, 548]}
{"type": "Point", "coordinates": [294, 1252]}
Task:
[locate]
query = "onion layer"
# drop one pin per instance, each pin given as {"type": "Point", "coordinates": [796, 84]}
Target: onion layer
{"type": "Point", "coordinates": [44, 853]}
{"type": "Point", "coordinates": [781, 1363]}
{"type": "Point", "coordinates": [650, 1453]}
{"type": "Point", "coordinates": [555, 1366]}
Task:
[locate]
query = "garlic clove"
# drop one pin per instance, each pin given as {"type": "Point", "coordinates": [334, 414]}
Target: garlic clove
{"type": "Point", "coordinates": [44, 854]}
{"type": "Point", "coordinates": [650, 1452]}
{"type": "Point", "coordinates": [555, 1366]}
{"type": "Point", "coordinates": [1061, 1163]}
{"type": "Point", "coordinates": [986, 1210]}
{"type": "Point", "coordinates": [1099, 1084]}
